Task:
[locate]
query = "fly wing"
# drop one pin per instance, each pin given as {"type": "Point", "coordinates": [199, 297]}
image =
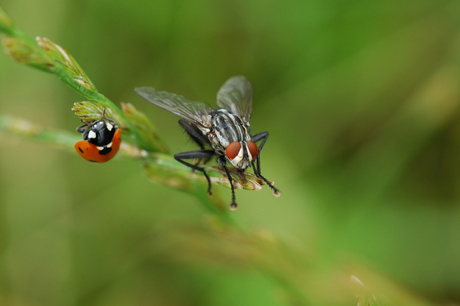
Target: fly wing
{"type": "Point", "coordinates": [194, 112]}
{"type": "Point", "coordinates": [236, 97]}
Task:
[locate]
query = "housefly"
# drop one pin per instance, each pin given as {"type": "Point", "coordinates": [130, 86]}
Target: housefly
{"type": "Point", "coordinates": [225, 131]}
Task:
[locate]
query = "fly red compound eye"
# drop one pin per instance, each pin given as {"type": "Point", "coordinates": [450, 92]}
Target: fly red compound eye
{"type": "Point", "coordinates": [233, 149]}
{"type": "Point", "coordinates": [223, 132]}
{"type": "Point", "coordinates": [252, 149]}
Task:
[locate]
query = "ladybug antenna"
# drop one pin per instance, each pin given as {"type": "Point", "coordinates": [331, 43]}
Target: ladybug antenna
{"type": "Point", "coordinates": [103, 113]}
{"type": "Point", "coordinates": [107, 118]}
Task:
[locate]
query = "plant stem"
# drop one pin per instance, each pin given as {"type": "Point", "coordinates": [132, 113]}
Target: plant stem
{"type": "Point", "coordinates": [51, 65]}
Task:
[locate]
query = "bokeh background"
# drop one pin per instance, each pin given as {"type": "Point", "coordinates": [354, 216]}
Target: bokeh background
{"type": "Point", "coordinates": [361, 99]}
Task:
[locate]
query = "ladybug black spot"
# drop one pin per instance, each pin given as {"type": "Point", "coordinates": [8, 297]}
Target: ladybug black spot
{"type": "Point", "coordinates": [105, 151]}
{"type": "Point", "coordinates": [79, 149]}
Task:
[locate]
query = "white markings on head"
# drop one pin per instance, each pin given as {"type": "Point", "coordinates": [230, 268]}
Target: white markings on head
{"type": "Point", "coordinates": [109, 145]}
{"type": "Point", "coordinates": [91, 134]}
{"type": "Point", "coordinates": [109, 126]}
{"type": "Point", "coordinates": [237, 158]}
{"type": "Point", "coordinates": [100, 148]}
{"type": "Point", "coordinates": [239, 161]}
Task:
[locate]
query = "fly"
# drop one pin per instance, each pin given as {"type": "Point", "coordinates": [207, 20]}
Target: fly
{"type": "Point", "coordinates": [225, 131]}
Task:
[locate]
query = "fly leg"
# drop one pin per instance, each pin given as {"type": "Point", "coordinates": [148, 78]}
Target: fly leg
{"type": "Point", "coordinates": [221, 161]}
{"type": "Point", "coordinates": [196, 136]}
{"type": "Point", "coordinates": [201, 154]}
{"type": "Point", "coordinates": [257, 171]}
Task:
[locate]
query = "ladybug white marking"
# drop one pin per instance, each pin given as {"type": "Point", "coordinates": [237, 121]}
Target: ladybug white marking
{"type": "Point", "coordinates": [106, 146]}
{"type": "Point", "coordinates": [91, 134]}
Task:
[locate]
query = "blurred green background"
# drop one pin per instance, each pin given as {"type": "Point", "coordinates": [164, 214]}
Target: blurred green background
{"type": "Point", "coordinates": [361, 99]}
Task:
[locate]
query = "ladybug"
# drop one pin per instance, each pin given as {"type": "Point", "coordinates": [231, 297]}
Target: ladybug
{"type": "Point", "coordinates": [101, 140]}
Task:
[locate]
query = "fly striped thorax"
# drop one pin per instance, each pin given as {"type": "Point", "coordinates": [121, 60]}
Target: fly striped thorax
{"type": "Point", "coordinates": [227, 128]}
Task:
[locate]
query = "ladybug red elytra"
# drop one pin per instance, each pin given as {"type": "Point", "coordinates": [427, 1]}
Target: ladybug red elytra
{"type": "Point", "coordinates": [101, 140]}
